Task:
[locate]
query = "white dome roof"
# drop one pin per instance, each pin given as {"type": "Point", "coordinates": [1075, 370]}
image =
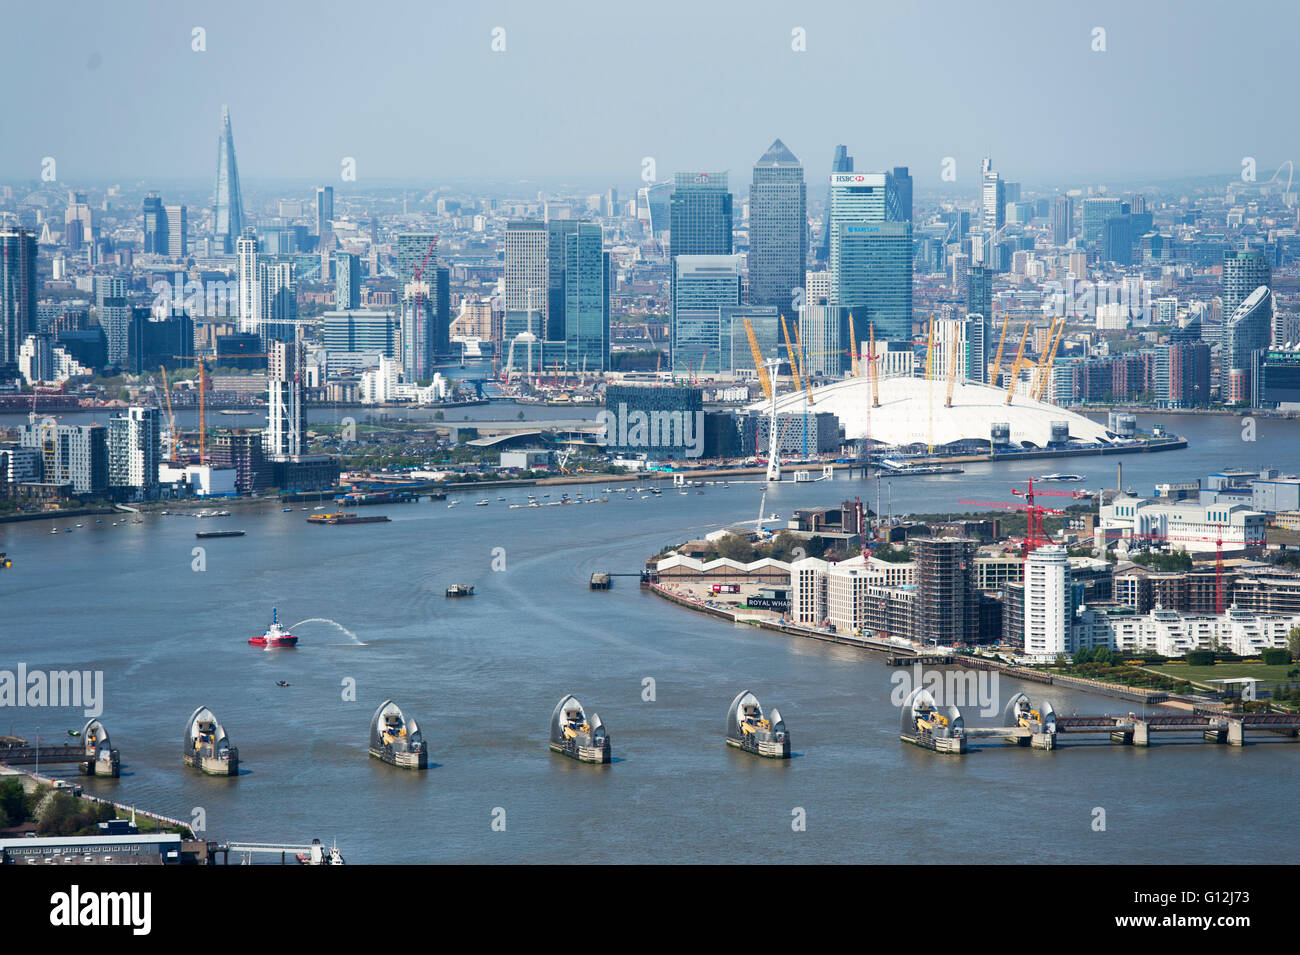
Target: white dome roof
{"type": "Point", "coordinates": [912, 412]}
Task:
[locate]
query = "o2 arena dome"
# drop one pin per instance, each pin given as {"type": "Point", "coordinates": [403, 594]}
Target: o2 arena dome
{"type": "Point", "coordinates": [912, 416]}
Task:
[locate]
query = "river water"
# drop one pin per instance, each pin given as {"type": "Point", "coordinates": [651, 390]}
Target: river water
{"type": "Point", "coordinates": [481, 675]}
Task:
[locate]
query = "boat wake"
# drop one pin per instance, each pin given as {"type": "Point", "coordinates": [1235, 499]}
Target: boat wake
{"type": "Point", "coordinates": [333, 623]}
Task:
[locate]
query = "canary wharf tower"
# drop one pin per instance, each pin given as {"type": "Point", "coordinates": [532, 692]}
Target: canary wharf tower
{"type": "Point", "coordinates": [229, 206]}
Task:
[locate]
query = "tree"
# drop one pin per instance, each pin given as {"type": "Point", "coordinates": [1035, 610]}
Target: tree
{"type": "Point", "coordinates": [1293, 642]}
{"type": "Point", "coordinates": [736, 548]}
{"type": "Point", "coordinates": [13, 802]}
{"type": "Point", "coordinates": [784, 546]}
{"type": "Point", "coordinates": [892, 554]}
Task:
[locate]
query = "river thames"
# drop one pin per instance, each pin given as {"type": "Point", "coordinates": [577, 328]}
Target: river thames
{"type": "Point", "coordinates": [481, 675]}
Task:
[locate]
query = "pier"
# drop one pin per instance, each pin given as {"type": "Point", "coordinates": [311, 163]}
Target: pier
{"type": "Point", "coordinates": [92, 752]}
{"type": "Point", "coordinates": [315, 852]}
{"type": "Point", "coordinates": [1025, 724]}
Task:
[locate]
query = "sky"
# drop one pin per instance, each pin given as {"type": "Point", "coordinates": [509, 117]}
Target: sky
{"type": "Point", "coordinates": [584, 92]}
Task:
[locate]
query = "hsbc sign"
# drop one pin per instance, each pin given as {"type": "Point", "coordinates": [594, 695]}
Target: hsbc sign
{"type": "Point", "coordinates": [849, 179]}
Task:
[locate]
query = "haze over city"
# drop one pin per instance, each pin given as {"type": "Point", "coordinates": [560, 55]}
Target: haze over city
{"type": "Point", "coordinates": [583, 91]}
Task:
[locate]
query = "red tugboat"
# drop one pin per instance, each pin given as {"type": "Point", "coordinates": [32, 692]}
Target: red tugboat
{"type": "Point", "coordinates": [275, 636]}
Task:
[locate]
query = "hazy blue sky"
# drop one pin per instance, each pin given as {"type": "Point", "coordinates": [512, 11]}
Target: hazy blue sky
{"type": "Point", "coordinates": [584, 90]}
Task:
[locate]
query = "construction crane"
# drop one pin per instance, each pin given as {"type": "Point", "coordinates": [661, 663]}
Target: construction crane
{"type": "Point", "coordinates": [995, 369]}
{"type": "Point", "coordinates": [1217, 540]}
{"type": "Point", "coordinates": [171, 416]}
{"type": "Point", "coordinates": [929, 376]}
{"type": "Point", "coordinates": [417, 276]}
{"type": "Point", "coordinates": [807, 384]}
{"type": "Point", "coordinates": [1015, 367]}
{"type": "Point", "coordinates": [1046, 377]}
{"type": "Point", "coordinates": [862, 528]}
{"type": "Point", "coordinates": [1035, 519]}
{"type": "Point", "coordinates": [789, 349]}
{"type": "Point", "coordinates": [929, 352]}
{"type": "Point", "coordinates": [199, 361]}
{"type": "Point", "coordinates": [855, 362]}
{"type": "Point", "coordinates": [872, 370]}
{"type": "Point", "coordinates": [1042, 359]}
{"type": "Point", "coordinates": [757, 352]}
{"type": "Point", "coordinates": [954, 352]}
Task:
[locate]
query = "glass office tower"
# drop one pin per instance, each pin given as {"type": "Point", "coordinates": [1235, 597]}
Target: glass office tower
{"type": "Point", "coordinates": [778, 228]}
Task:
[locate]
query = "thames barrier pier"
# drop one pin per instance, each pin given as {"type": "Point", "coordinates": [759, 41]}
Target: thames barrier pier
{"type": "Point", "coordinates": [206, 746]}
{"type": "Point", "coordinates": [1026, 723]}
{"type": "Point", "coordinates": [396, 739]}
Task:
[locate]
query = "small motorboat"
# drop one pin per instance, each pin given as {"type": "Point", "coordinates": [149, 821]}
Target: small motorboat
{"type": "Point", "coordinates": [281, 682]}
{"type": "Point", "coordinates": [316, 855]}
{"type": "Point", "coordinates": [460, 590]}
{"type": "Point", "coordinates": [482, 503]}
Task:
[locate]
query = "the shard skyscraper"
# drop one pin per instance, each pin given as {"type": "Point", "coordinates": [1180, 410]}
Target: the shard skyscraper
{"type": "Point", "coordinates": [228, 203]}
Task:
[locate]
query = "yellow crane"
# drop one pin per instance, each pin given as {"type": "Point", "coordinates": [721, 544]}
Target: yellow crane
{"type": "Point", "coordinates": [757, 352]}
{"type": "Point", "coordinates": [171, 416]}
{"type": "Point", "coordinates": [1051, 359]}
{"type": "Point", "coordinates": [1042, 359]}
{"type": "Point", "coordinates": [995, 369]}
{"type": "Point", "coordinates": [929, 352]}
{"type": "Point", "coordinates": [929, 376]}
{"type": "Point", "coordinates": [789, 350]}
{"type": "Point", "coordinates": [855, 366]}
{"type": "Point", "coordinates": [952, 369]}
{"type": "Point", "coordinates": [1015, 367]}
{"type": "Point", "coordinates": [199, 361]}
{"type": "Point", "coordinates": [807, 379]}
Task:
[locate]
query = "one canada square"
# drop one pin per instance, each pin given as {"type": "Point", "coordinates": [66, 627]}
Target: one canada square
{"type": "Point", "coordinates": [778, 221]}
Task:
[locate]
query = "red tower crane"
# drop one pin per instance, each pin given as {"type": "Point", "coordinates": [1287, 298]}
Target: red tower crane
{"type": "Point", "coordinates": [1035, 514]}
{"type": "Point", "coordinates": [417, 276]}
{"type": "Point", "coordinates": [1217, 539]}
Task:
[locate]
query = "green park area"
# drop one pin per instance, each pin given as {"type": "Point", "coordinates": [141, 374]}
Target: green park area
{"type": "Point", "coordinates": [1264, 673]}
